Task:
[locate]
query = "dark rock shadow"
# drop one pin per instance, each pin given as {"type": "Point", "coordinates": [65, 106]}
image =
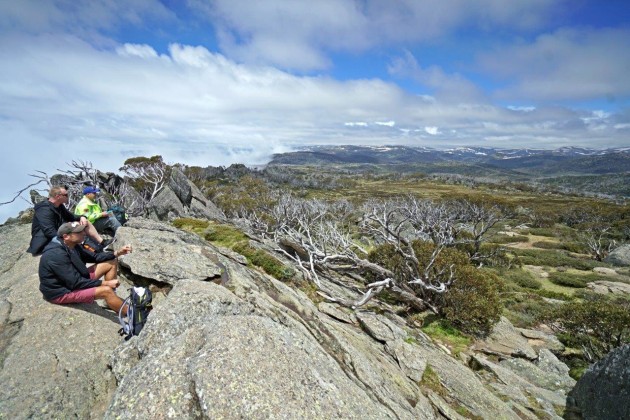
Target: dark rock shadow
{"type": "Point", "coordinates": [95, 309]}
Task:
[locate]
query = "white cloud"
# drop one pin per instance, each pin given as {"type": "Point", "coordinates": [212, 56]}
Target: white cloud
{"type": "Point", "coordinates": [289, 35]}
{"type": "Point", "coordinates": [386, 123]}
{"type": "Point", "coordinates": [432, 130]}
{"type": "Point", "coordinates": [85, 19]}
{"type": "Point", "coordinates": [569, 64]}
{"type": "Point", "coordinates": [135, 50]}
{"type": "Point", "coordinates": [521, 108]}
{"type": "Point", "coordinates": [447, 87]}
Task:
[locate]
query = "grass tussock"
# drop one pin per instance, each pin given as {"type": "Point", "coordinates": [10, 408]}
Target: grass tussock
{"type": "Point", "coordinates": [190, 224]}
{"type": "Point", "coordinates": [441, 330]}
{"type": "Point", "coordinates": [230, 237]}
{"type": "Point", "coordinates": [223, 235]}
{"type": "Point", "coordinates": [262, 259]}
{"type": "Point", "coordinates": [431, 380]}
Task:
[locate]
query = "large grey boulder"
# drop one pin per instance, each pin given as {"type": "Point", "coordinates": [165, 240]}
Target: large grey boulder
{"type": "Point", "coordinates": [165, 205]}
{"type": "Point", "coordinates": [505, 340]}
{"type": "Point", "coordinates": [547, 372]}
{"type": "Point", "coordinates": [165, 254]}
{"type": "Point", "coordinates": [36, 197]}
{"type": "Point", "coordinates": [179, 183]}
{"type": "Point", "coordinates": [511, 386]}
{"type": "Point", "coordinates": [202, 207]}
{"type": "Point", "coordinates": [541, 340]}
{"type": "Point", "coordinates": [603, 392]}
{"type": "Point", "coordinates": [180, 197]}
{"type": "Point", "coordinates": [220, 359]}
{"type": "Point", "coordinates": [609, 287]}
{"type": "Point", "coordinates": [619, 256]}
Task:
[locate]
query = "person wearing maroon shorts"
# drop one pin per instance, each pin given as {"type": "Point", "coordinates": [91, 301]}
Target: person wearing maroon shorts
{"type": "Point", "coordinates": [64, 278]}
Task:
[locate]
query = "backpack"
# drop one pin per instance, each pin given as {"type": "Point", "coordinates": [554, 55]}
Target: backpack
{"type": "Point", "coordinates": [119, 213]}
{"type": "Point", "coordinates": [138, 308]}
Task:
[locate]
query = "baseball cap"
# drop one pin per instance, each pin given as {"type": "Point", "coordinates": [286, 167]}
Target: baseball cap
{"type": "Point", "coordinates": [90, 189]}
{"type": "Point", "coordinates": [70, 227]}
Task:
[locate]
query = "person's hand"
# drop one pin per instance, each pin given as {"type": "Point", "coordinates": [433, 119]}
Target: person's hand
{"type": "Point", "coordinates": [123, 251]}
{"type": "Point", "coordinates": [104, 214]}
{"type": "Point", "coordinates": [83, 220]}
{"type": "Point", "coordinates": [111, 283]}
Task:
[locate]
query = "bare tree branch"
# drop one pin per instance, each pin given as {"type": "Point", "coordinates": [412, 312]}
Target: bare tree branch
{"type": "Point", "coordinates": [19, 193]}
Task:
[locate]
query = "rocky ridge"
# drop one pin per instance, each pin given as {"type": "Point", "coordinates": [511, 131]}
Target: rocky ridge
{"type": "Point", "coordinates": [226, 340]}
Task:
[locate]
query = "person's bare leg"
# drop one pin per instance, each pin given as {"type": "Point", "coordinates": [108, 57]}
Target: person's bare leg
{"type": "Point", "coordinates": [109, 269]}
{"type": "Point", "coordinates": [90, 231]}
{"type": "Point", "coordinates": [111, 298]}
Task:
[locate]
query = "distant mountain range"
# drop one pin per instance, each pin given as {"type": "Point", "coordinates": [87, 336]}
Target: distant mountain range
{"type": "Point", "coordinates": [538, 162]}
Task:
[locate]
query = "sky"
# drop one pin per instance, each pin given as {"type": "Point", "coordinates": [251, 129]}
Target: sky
{"type": "Point", "coordinates": [215, 82]}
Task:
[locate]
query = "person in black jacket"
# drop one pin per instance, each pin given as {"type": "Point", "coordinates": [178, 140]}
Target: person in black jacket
{"type": "Point", "coordinates": [50, 214]}
{"type": "Point", "coordinates": [64, 278]}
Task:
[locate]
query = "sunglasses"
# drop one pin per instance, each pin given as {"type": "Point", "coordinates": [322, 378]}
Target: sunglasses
{"type": "Point", "coordinates": [65, 195]}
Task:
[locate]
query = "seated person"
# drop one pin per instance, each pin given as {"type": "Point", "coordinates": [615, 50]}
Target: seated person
{"type": "Point", "coordinates": [64, 277]}
{"type": "Point", "coordinates": [48, 217]}
{"type": "Point", "coordinates": [89, 208]}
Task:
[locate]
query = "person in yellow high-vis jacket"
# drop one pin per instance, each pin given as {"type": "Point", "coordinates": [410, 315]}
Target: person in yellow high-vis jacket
{"type": "Point", "coordinates": [89, 208]}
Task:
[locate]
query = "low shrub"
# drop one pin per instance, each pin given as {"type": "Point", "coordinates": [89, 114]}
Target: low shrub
{"type": "Point", "coordinates": [472, 303]}
{"type": "Point", "coordinates": [522, 278]}
{"type": "Point", "coordinates": [550, 294]}
{"type": "Point", "coordinates": [567, 279]}
{"type": "Point", "coordinates": [524, 308]}
{"type": "Point", "coordinates": [488, 255]}
{"type": "Point", "coordinates": [505, 239]}
{"type": "Point", "coordinates": [554, 258]}
{"type": "Point", "coordinates": [574, 280]}
{"type": "Point", "coordinates": [596, 326]}
{"type": "Point", "coordinates": [574, 247]}
{"type": "Point", "coordinates": [550, 232]}
{"type": "Point", "coordinates": [530, 311]}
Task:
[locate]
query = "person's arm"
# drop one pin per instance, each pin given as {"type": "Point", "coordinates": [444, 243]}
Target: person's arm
{"type": "Point", "coordinates": [106, 256]}
{"type": "Point", "coordinates": [71, 278]}
{"type": "Point", "coordinates": [67, 215]}
{"type": "Point", "coordinates": [89, 256]}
